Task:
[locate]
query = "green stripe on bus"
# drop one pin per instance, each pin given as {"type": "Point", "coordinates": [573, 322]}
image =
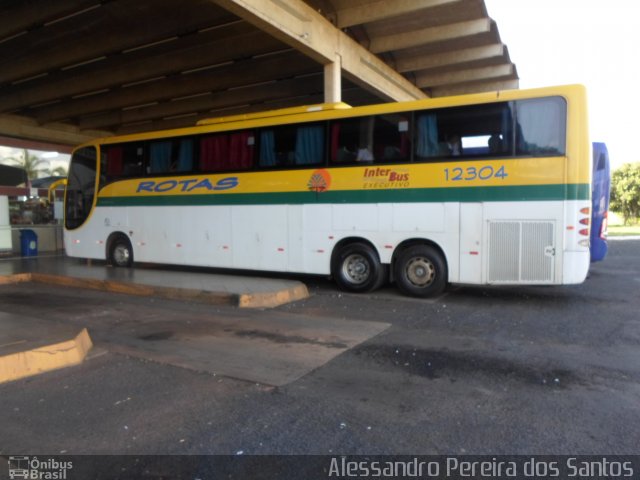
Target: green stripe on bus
{"type": "Point", "coordinates": [409, 195]}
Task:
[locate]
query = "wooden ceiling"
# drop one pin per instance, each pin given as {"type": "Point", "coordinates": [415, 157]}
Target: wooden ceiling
{"type": "Point", "coordinates": [75, 69]}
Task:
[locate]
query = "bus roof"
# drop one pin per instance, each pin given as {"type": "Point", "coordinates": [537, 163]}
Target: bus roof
{"type": "Point", "coordinates": [275, 113]}
{"type": "Point", "coordinates": [323, 112]}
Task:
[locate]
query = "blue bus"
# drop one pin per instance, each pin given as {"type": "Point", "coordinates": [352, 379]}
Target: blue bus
{"type": "Point", "coordinates": [600, 201]}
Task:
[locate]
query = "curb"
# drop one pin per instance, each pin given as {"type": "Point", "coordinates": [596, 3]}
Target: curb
{"type": "Point", "coordinates": [15, 278]}
{"type": "Point", "coordinates": [273, 299]}
{"type": "Point", "coordinates": [46, 358]}
{"type": "Point", "coordinates": [246, 300]}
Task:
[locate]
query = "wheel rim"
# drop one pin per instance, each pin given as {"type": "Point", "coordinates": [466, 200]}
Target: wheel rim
{"type": "Point", "coordinates": [420, 271]}
{"type": "Point", "coordinates": [356, 269]}
{"type": "Point", "coordinates": [121, 254]}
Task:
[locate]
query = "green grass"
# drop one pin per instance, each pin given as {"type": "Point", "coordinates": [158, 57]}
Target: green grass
{"type": "Point", "coordinates": [618, 229]}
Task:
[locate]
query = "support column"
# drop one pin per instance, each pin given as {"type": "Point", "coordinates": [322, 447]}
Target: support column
{"type": "Point", "coordinates": [333, 81]}
{"type": "Point", "coordinates": [300, 26]}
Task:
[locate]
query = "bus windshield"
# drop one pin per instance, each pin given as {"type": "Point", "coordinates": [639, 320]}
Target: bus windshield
{"type": "Point", "coordinates": [81, 185]}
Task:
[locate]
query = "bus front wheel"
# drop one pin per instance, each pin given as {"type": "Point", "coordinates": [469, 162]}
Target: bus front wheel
{"type": "Point", "coordinates": [357, 268]}
{"type": "Point", "coordinates": [121, 253]}
{"type": "Point", "coordinates": [420, 271]}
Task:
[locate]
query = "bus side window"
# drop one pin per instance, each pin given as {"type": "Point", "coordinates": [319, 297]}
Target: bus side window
{"type": "Point", "coordinates": [541, 126]}
{"type": "Point", "coordinates": [290, 145]}
{"type": "Point", "coordinates": [241, 146]}
{"type": "Point", "coordinates": [391, 138]}
{"type": "Point", "coordinates": [132, 160]}
{"type": "Point", "coordinates": [276, 147]}
{"type": "Point", "coordinates": [467, 132]}
{"type": "Point", "coordinates": [121, 161]}
{"type": "Point", "coordinates": [111, 164]}
{"type": "Point", "coordinates": [352, 140]}
{"type": "Point", "coordinates": [341, 150]}
{"type": "Point", "coordinates": [427, 136]}
{"type": "Point", "coordinates": [184, 157]}
{"type": "Point", "coordinates": [309, 149]}
{"type": "Point", "coordinates": [223, 152]}
{"type": "Point", "coordinates": [160, 156]}
{"type": "Point", "coordinates": [174, 155]}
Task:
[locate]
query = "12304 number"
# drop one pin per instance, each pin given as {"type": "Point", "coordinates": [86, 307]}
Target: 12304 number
{"type": "Point", "coordinates": [468, 174]}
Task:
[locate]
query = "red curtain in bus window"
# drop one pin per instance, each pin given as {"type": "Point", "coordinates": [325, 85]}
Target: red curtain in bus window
{"type": "Point", "coordinates": [114, 161]}
{"type": "Point", "coordinates": [214, 153]}
{"type": "Point", "coordinates": [335, 139]}
{"type": "Point", "coordinates": [240, 151]}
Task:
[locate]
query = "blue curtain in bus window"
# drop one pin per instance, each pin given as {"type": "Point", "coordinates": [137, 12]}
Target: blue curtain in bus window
{"type": "Point", "coordinates": [309, 145]}
{"type": "Point", "coordinates": [427, 132]}
{"type": "Point", "coordinates": [160, 153]}
{"type": "Point", "coordinates": [267, 149]}
{"type": "Point", "coordinates": [185, 156]}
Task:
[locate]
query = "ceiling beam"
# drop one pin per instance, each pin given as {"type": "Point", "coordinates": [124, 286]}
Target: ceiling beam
{"type": "Point", "coordinates": [205, 49]}
{"type": "Point", "coordinates": [271, 91]}
{"type": "Point", "coordinates": [424, 36]}
{"type": "Point", "coordinates": [80, 39]}
{"type": "Point", "coordinates": [429, 80]}
{"type": "Point", "coordinates": [492, 85]}
{"type": "Point", "coordinates": [300, 26]}
{"type": "Point", "coordinates": [23, 127]}
{"type": "Point", "coordinates": [272, 67]}
{"type": "Point", "coordinates": [411, 64]}
{"type": "Point", "coordinates": [381, 9]}
{"type": "Point", "coordinates": [24, 16]}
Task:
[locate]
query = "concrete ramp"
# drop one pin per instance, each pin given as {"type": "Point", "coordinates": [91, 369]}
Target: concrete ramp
{"type": "Point", "coordinates": [273, 349]}
{"type": "Point", "coordinates": [29, 346]}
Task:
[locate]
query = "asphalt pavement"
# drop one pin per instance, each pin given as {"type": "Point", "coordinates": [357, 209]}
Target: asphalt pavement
{"type": "Point", "coordinates": [530, 370]}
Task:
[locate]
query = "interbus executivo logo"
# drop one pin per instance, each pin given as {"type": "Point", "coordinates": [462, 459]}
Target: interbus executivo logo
{"type": "Point", "coordinates": [386, 178]}
{"type": "Point", "coordinates": [37, 469]}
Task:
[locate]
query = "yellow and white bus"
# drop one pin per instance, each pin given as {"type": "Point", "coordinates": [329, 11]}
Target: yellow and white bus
{"type": "Point", "coordinates": [489, 188]}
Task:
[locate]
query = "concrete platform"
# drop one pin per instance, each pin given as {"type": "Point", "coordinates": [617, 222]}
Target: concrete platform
{"type": "Point", "coordinates": [196, 285]}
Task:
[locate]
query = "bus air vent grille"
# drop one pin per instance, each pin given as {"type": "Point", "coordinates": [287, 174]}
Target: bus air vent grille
{"type": "Point", "coordinates": [521, 251]}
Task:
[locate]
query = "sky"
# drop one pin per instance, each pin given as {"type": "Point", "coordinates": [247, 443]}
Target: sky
{"type": "Point", "coordinates": [592, 42]}
{"type": "Point", "coordinates": [556, 42]}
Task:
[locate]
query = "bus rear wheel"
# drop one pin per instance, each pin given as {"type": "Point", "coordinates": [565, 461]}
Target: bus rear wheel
{"type": "Point", "coordinates": [121, 253]}
{"type": "Point", "coordinates": [420, 271]}
{"type": "Point", "coordinates": [357, 268]}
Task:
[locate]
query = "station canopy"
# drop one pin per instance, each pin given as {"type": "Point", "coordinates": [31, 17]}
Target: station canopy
{"type": "Point", "coordinates": [74, 70]}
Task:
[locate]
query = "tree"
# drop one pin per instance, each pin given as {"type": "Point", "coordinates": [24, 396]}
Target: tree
{"type": "Point", "coordinates": [31, 164]}
{"type": "Point", "coordinates": [625, 191]}
{"type": "Point", "coordinates": [59, 171]}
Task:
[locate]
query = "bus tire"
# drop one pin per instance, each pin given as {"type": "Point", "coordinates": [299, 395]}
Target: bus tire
{"type": "Point", "coordinates": [120, 252]}
{"type": "Point", "coordinates": [420, 271]}
{"type": "Point", "coordinates": [357, 268]}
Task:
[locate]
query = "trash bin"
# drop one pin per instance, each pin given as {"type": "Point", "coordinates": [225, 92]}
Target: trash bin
{"type": "Point", "coordinates": [28, 243]}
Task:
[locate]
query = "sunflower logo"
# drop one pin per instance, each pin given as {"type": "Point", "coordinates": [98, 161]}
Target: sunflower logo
{"type": "Point", "coordinates": [320, 181]}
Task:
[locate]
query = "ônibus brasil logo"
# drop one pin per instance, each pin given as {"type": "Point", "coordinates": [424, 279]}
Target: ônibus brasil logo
{"type": "Point", "coordinates": [23, 467]}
